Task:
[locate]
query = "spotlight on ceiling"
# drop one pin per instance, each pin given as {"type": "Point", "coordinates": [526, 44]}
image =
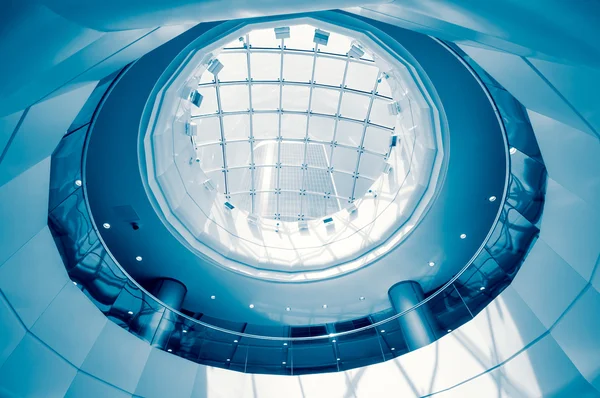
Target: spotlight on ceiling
{"type": "Point", "coordinates": [463, 236]}
{"type": "Point", "coordinates": [431, 263]}
{"type": "Point", "coordinates": [138, 258]}
{"type": "Point", "coordinates": [512, 150]}
{"type": "Point", "coordinates": [282, 32]}
{"type": "Point", "coordinates": [213, 297]}
{"type": "Point", "coordinates": [324, 305]}
{"type": "Point", "coordinates": [321, 37]}
{"type": "Point", "coordinates": [106, 225]}
{"type": "Point", "coordinates": [130, 312]}
{"type": "Point", "coordinates": [288, 309]}
{"type": "Point", "coordinates": [362, 298]}
{"type": "Point", "coordinates": [492, 198]}
{"type": "Point", "coordinates": [251, 306]}
{"type": "Point", "coordinates": [78, 183]}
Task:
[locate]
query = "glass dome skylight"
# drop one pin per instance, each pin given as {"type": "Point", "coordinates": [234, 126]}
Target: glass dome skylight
{"type": "Point", "coordinates": [294, 151]}
{"type": "Point", "coordinates": [292, 128]}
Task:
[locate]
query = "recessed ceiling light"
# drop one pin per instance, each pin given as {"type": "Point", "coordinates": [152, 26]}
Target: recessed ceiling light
{"type": "Point", "coordinates": [78, 183]}
{"type": "Point", "coordinates": [333, 341]}
{"type": "Point", "coordinates": [284, 343]}
{"type": "Point", "coordinates": [393, 349]}
{"type": "Point", "coordinates": [138, 258]}
{"type": "Point", "coordinates": [106, 225]}
{"type": "Point", "coordinates": [228, 359]}
{"type": "Point", "coordinates": [283, 363]}
{"type": "Point", "coordinates": [449, 330]}
{"type": "Point", "coordinates": [492, 198]}
{"type": "Point", "coordinates": [251, 306]}
{"type": "Point", "coordinates": [324, 305]}
{"type": "Point", "coordinates": [75, 283]}
{"type": "Point", "coordinates": [213, 297]}
{"type": "Point", "coordinates": [170, 350]}
{"type": "Point", "coordinates": [362, 298]}
{"type": "Point", "coordinates": [184, 331]}
{"type": "Point", "coordinates": [482, 288]}
{"type": "Point", "coordinates": [130, 312]}
{"type": "Point", "coordinates": [512, 150]}
{"type": "Point", "coordinates": [338, 359]}
{"type": "Point", "coordinates": [463, 236]}
{"type": "Point", "coordinates": [235, 341]}
{"type": "Point", "coordinates": [431, 263]}
{"type": "Point", "coordinates": [288, 309]}
{"type": "Point", "coordinates": [382, 330]}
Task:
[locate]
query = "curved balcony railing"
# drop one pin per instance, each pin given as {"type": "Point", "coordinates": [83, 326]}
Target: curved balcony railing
{"type": "Point", "coordinates": [313, 348]}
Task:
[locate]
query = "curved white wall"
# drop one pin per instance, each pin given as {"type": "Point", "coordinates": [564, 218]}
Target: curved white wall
{"type": "Point", "coordinates": [538, 338]}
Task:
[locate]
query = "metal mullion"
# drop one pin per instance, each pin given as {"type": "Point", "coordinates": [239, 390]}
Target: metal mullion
{"type": "Point", "coordinates": [278, 165]}
{"type": "Point", "coordinates": [223, 150]}
{"type": "Point", "coordinates": [362, 139]}
{"type": "Point", "coordinates": [250, 116]}
{"type": "Point", "coordinates": [335, 126]}
{"type": "Point", "coordinates": [310, 95]}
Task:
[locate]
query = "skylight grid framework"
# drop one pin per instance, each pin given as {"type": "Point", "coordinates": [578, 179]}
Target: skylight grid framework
{"type": "Point", "coordinates": [347, 111]}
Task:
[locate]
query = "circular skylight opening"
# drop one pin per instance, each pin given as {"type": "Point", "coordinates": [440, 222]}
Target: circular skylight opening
{"type": "Point", "coordinates": [294, 128]}
{"type": "Point", "coordinates": [277, 147]}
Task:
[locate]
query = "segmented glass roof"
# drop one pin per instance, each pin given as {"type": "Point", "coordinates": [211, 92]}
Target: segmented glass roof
{"type": "Point", "coordinates": [290, 129]}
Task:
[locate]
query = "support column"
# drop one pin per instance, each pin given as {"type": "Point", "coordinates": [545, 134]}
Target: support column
{"type": "Point", "coordinates": [157, 326]}
{"type": "Point", "coordinates": [418, 326]}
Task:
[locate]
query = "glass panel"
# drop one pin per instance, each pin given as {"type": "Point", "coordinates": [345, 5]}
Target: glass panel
{"type": "Point", "coordinates": [297, 67]}
{"type": "Point", "coordinates": [264, 38]}
{"type": "Point", "coordinates": [209, 102]}
{"type": "Point", "coordinates": [265, 96]}
{"type": "Point", "coordinates": [265, 125]}
{"type": "Point", "coordinates": [265, 178]}
{"type": "Point", "coordinates": [265, 204]}
{"type": "Point", "coordinates": [234, 98]}
{"type": "Point", "coordinates": [301, 38]}
{"type": "Point", "coordinates": [381, 115]}
{"type": "Point", "coordinates": [325, 101]}
{"type": "Point", "coordinates": [321, 128]}
{"type": "Point", "coordinates": [235, 67]}
{"type": "Point", "coordinates": [211, 157]}
{"type": "Point", "coordinates": [209, 130]}
{"type": "Point", "coordinates": [362, 186]}
{"type": "Point", "coordinates": [329, 71]}
{"type": "Point", "coordinates": [383, 88]}
{"type": "Point", "coordinates": [236, 127]}
{"type": "Point", "coordinates": [371, 166]}
{"type": "Point", "coordinates": [338, 44]}
{"type": "Point", "coordinates": [295, 98]}
{"type": "Point", "coordinates": [239, 180]}
{"type": "Point", "coordinates": [355, 106]}
{"type": "Point", "coordinates": [317, 155]}
{"type": "Point", "coordinates": [293, 126]}
{"type": "Point", "coordinates": [361, 77]}
{"type": "Point", "coordinates": [345, 159]}
{"type": "Point", "coordinates": [349, 133]}
{"type": "Point", "coordinates": [289, 206]}
{"type": "Point", "coordinates": [238, 154]}
{"type": "Point", "coordinates": [292, 153]}
{"type": "Point", "coordinates": [265, 153]}
{"type": "Point", "coordinates": [265, 66]}
{"type": "Point", "coordinates": [343, 184]}
{"type": "Point", "coordinates": [290, 178]}
{"type": "Point", "coordinates": [377, 140]}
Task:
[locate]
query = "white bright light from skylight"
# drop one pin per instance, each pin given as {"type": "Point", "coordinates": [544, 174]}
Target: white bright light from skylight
{"type": "Point", "coordinates": [291, 129]}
